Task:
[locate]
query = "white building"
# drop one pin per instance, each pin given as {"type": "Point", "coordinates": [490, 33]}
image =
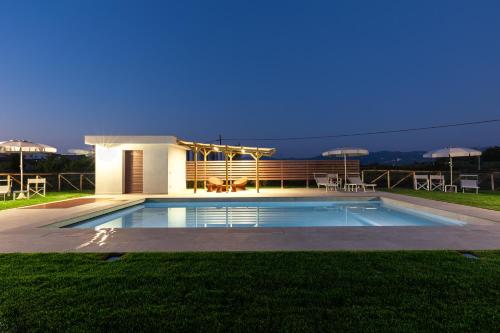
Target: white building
{"type": "Point", "coordinates": [138, 164]}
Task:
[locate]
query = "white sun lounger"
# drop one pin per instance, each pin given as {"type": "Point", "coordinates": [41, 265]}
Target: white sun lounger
{"type": "Point", "coordinates": [329, 180]}
{"type": "Point", "coordinates": [356, 182]}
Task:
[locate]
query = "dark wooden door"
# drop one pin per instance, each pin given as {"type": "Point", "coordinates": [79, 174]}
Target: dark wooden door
{"type": "Point", "coordinates": [133, 171]}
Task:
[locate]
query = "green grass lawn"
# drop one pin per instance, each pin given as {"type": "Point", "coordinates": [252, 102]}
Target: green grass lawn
{"type": "Point", "coordinates": [51, 196]}
{"type": "Point", "coordinates": [488, 200]}
{"type": "Point", "coordinates": [251, 292]}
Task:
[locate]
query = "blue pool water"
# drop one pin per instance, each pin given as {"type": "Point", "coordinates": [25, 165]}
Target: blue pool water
{"type": "Point", "coordinates": [264, 214]}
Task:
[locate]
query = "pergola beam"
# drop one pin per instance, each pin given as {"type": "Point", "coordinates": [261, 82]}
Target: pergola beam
{"type": "Point", "coordinates": [229, 152]}
{"type": "Point", "coordinates": [244, 150]}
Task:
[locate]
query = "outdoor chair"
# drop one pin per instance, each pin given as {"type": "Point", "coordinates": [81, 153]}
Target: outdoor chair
{"type": "Point", "coordinates": [214, 184]}
{"type": "Point", "coordinates": [5, 187]}
{"type": "Point", "coordinates": [356, 182]}
{"type": "Point", "coordinates": [334, 181]}
{"type": "Point", "coordinates": [436, 182]}
{"type": "Point", "coordinates": [469, 182]}
{"type": "Point", "coordinates": [421, 182]}
{"type": "Point", "coordinates": [239, 184]}
{"type": "Point", "coordinates": [37, 186]}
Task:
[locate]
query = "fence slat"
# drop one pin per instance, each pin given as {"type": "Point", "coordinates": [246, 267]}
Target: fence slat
{"type": "Point", "coordinates": [279, 170]}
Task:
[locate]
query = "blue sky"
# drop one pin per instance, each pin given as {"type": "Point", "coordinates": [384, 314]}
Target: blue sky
{"type": "Point", "coordinates": [251, 69]}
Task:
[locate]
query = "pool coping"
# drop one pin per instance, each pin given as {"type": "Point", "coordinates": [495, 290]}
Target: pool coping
{"type": "Point", "coordinates": [28, 232]}
{"type": "Point", "coordinates": [419, 207]}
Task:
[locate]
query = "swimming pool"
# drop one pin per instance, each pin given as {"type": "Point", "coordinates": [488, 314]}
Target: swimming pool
{"type": "Point", "coordinates": [262, 214]}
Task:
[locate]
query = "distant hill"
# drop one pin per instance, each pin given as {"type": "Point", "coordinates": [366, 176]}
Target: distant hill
{"type": "Point", "coordinates": [394, 158]}
{"type": "Point", "coordinates": [391, 158]}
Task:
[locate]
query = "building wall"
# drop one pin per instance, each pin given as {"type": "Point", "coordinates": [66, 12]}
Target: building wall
{"type": "Point", "coordinates": [155, 168]}
{"type": "Point", "coordinates": [108, 170]}
{"type": "Point", "coordinates": [164, 168]}
{"type": "Point", "coordinates": [176, 169]}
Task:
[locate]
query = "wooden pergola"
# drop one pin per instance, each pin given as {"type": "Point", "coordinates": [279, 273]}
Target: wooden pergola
{"type": "Point", "coordinates": [229, 152]}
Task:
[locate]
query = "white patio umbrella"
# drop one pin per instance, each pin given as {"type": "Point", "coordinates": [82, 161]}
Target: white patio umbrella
{"type": "Point", "coordinates": [450, 153]}
{"type": "Point", "coordinates": [345, 151]}
{"type": "Point", "coordinates": [78, 151]}
{"type": "Point", "coordinates": [22, 146]}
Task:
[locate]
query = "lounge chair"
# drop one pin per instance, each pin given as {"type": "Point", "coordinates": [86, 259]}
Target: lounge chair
{"type": "Point", "coordinates": [436, 182]}
{"type": "Point", "coordinates": [355, 182]}
{"type": "Point", "coordinates": [36, 186]}
{"type": "Point", "coordinates": [321, 179]}
{"type": "Point", "coordinates": [215, 184]}
{"type": "Point", "coordinates": [239, 184]}
{"type": "Point", "coordinates": [325, 179]}
{"type": "Point", "coordinates": [5, 187]}
{"type": "Point", "coordinates": [421, 182]}
{"type": "Point", "coordinates": [469, 182]}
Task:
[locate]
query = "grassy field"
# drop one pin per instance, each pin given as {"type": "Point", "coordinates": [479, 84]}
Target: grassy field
{"type": "Point", "coordinates": [51, 196]}
{"type": "Point", "coordinates": [251, 292]}
{"type": "Point", "coordinates": [488, 200]}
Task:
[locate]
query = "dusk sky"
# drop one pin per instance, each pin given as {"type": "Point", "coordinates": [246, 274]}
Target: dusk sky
{"type": "Point", "coordinates": [251, 69]}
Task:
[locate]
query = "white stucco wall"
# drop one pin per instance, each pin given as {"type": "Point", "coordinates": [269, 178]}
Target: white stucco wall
{"type": "Point", "coordinates": [155, 168]}
{"type": "Point", "coordinates": [164, 165]}
{"type": "Point", "coordinates": [176, 169]}
{"type": "Point", "coordinates": [108, 170]}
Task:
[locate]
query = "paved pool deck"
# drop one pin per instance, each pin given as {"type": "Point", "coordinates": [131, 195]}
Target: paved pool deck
{"type": "Point", "coordinates": [27, 230]}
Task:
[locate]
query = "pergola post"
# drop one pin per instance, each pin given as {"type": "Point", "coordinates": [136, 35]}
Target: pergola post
{"type": "Point", "coordinates": [257, 155]}
{"type": "Point", "coordinates": [205, 153]}
{"type": "Point", "coordinates": [229, 153]}
{"type": "Point", "coordinates": [226, 153]}
{"type": "Point", "coordinates": [195, 151]}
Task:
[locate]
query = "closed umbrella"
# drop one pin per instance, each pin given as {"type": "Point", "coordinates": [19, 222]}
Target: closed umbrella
{"type": "Point", "coordinates": [23, 146]}
{"type": "Point", "coordinates": [450, 153]}
{"type": "Point", "coordinates": [345, 151]}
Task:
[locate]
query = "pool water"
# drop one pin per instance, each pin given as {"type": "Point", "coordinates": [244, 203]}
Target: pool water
{"type": "Point", "coordinates": [264, 214]}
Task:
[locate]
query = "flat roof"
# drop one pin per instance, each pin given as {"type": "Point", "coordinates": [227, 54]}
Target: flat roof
{"type": "Point", "coordinates": [130, 139]}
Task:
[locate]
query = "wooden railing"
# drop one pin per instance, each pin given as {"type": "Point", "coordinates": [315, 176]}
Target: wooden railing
{"type": "Point", "coordinates": [274, 170]}
{"type": "Point", "coordinates": [77, 181]}
{"type": "Point", "coordinates": [278, 170]}
{"type": "Point", "coordinates": [404, 178]}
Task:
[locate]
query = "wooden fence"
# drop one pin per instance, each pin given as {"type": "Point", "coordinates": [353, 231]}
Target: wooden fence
{"type": "Point", "coordinates": [275, 170]}
{"type": "Point", "coordinates": [278, 170]}
{"type": "Point", "coordinates": [404, 178]}
{"type": "Point", "coordinates": [75, 181]}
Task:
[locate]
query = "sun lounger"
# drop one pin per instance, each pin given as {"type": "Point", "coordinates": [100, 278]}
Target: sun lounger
{"type": "Point", "coordinates": [421, 182]}
{"type": "Point", "coordinates": [436, 182]}
{"type": "Point", "coordinates": [239, 184]}
{"type": "Point", "coordinates": [214, 184]}
{"type": "Point", "coordinates": [321, 179]}
{"type": "Point", "coordinates": [5, 187]}
{"type": "Point", "coordinates": [354, 183]}
{"type": "Point", "coordinates": [326, 180]}
{"type": "Point", "coordinates": [469, 182]}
